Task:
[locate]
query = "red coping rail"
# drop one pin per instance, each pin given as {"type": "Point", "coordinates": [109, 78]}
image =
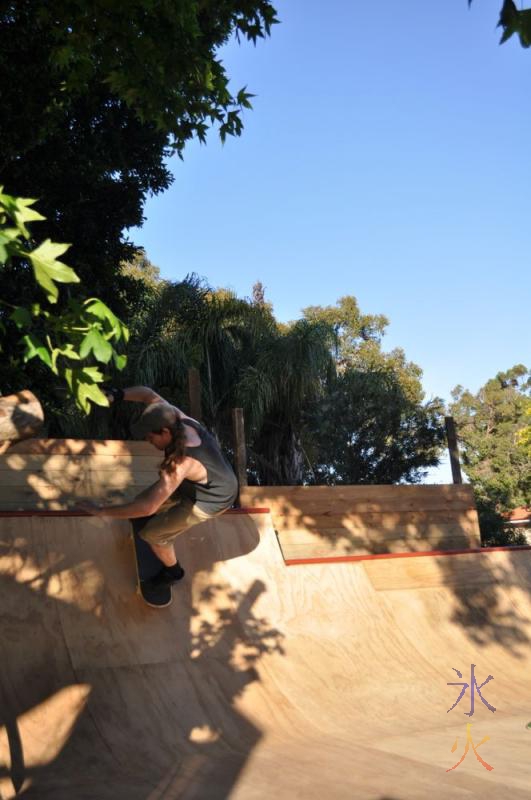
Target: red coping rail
{"type": "Point", "coordinates": [292, 562]}
{"type": "Point", "coordinates": [73, 512]}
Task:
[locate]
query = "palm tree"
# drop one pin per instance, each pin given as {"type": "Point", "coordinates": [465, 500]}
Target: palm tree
{"type": "Point", "coordinates": [290, 372]}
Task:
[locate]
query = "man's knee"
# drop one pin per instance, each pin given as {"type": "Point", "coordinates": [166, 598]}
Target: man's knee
{"type": "Point", "coordinates": [158, 538]}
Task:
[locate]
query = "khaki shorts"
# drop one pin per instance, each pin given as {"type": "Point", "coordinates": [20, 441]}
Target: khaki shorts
{"type": "Point", "coordinates": [171, 520]}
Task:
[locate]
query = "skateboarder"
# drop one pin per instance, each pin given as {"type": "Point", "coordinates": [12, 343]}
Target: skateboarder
{"type": "Point", "coordinates": [195, 481]}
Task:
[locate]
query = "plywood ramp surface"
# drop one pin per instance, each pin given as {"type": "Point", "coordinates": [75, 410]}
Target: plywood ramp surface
{"type": "Point", "coordinates": [260, 680]}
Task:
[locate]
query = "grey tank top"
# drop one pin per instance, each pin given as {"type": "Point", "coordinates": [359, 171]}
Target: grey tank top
{"type": "Point", "coordinates": [221, 489]}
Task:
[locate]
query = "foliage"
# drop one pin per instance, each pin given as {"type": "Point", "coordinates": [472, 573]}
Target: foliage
{"type": "Point", "coordinates": [71, 343]}
{"type": "Point", "coordinates": [322, 403]}
{"type": "Point", "coordinates": [524, 436]}
{"type": "Point", "coordinates": [366, 430]}
{"type": "Point", "coordinates": [371, 424]}
{"type": "Point", "coordinates": [490, 424]}
{"type": "Point", "coordinates": [95, 97]}
{"type": "Point", "coordinates": [306, 398]}
{"type": "Point", "coordinates": [513, 21]}
{"type": "Point", "coordinates": [186, 85]}
{"type": "Point", "coordinates": [287, 373]}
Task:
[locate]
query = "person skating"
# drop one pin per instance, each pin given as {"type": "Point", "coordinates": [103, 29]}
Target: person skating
{"type": "Point", "coordinates": [196, 482]}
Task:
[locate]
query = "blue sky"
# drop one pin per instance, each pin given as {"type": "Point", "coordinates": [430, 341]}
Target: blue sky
{"type": "Point", "coordinates": [386, 157]}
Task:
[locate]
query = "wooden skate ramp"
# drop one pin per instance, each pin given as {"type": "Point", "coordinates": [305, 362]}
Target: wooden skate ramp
{"type": "Point", "coordinates": [261, 680]}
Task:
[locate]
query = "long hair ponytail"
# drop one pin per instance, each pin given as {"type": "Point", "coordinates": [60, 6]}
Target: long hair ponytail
{"type": "Point", "coordinates": [175, 451]}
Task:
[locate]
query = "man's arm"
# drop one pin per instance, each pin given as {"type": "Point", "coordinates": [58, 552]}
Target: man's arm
{"type": "Point", "coordinates": [143, 394]}
{"type": "Point", "coordinates": [148, 501]}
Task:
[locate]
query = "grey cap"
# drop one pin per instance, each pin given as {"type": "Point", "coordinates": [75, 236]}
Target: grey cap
{"type": "Point", "coordinates": [154, 417]}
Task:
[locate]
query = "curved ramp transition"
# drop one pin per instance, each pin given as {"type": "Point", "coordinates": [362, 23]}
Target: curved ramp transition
{"type": "Point", "coordinates": [261, 680]}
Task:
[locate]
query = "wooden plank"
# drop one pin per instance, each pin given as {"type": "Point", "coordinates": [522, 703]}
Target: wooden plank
{"type": "Point", "coordinates": [64, 501]}
{"type": "Point", "coordinates": [303, 536]}
{"type": "Point", "coordinates": [384, 523]}
{"type": "Point", "coordinates": [453, 449]}
{"type": "Point", "coordinates": [365, 491]}
{"type": "Point", "coordinates": [125, 477]}
{"type": "Point", "coordinates": [34, 463]}
{"type": "Point", "coordinates": [399, 503]}
{"type": "Point", "coordinates": [363, 499]}
{"type": "Point", "coordinates": [327, 549]}
{"type": "Point", "coordinates": [47, 491]}
{"type": "Point", "coordinates": [82, 447]}
{"type": "Point", "coordinates": [240, 451]}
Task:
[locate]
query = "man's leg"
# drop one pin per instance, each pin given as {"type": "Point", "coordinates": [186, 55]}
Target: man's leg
{"type": "Point", "coordinates": [164, 527]}
{"type": "Point", "coordinates": [165, 553]}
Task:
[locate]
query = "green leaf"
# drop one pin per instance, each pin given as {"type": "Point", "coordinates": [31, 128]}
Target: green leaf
{"type": "Point", "coordinates": [4, 252]}
{"type": "Point", "coordinates": [99, 310]}
{"type": "Point", "coordinates": [119, 361]}
{"type": "Point", "coordinates": [92, 392]}
{"type": "Point", "coordinates": [35, 349]}
{"type": "Point", "coordinates": [524, 27]}
{"type": "Point", "coordinates": [84, 387]}
{"type": "Point", "coordinates": [67, 352]}
{"type": "Point", "coordinates": [49, 270]}
{"type": "Point", "coordinates": [95, 343]}
{"type": "Point", "coordinates": [508, 20]}
{"type": "Point", "coordinates": [91, 374]}
{"type": "Point", "coordinates": [17, 208]}
{"type": "Point", "coordinates": [21, 317]}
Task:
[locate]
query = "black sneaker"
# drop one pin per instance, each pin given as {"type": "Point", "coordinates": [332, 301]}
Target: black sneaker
{"type": "Point", "coordinates": [167, 576]}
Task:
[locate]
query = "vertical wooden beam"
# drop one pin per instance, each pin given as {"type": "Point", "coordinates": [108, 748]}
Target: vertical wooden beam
{"type": "Point", "coordinates": [453, 449]}
{"type": "Point", "coordinates": [194, 393]}
{"type": "Point", "coordinates": [240, 453]}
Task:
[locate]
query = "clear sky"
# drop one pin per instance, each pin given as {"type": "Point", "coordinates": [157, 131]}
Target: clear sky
{"type": "Point", "coordinates": [386, 157]}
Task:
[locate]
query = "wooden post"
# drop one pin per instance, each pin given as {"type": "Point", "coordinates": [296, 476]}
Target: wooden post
{"type": "Point", "coordinates": [240, 454]}
{"type": "Point", "coordinates": [194, 393]}
{"type": "Point", "coordinates": [453, 449]}
{"type": "Point", "coordinates": [21, 416]}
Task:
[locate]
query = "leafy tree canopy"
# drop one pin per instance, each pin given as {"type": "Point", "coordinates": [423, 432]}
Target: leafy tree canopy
{"type": "Point", "coordinates": [322, 404]}
{"type": "Point", "coordinates": [159, 59]}
{"type": "Point", "coordinates": [371, 424]}
{"type": "Point", "coordinates": [490, 425]}
{"type": "Point", "coordinates": [95, 96]}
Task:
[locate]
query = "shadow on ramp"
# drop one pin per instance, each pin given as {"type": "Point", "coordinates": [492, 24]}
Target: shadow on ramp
{"type": "Point", "coordinates": [104, 697]}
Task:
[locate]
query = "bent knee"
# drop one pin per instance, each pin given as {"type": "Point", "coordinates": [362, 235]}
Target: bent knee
{"type": "Point", "coordinates": [158, 538]}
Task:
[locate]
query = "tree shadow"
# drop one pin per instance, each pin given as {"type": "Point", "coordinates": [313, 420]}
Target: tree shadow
{"type": "Point", "coordinates": [105, 697]}
{"type": "Point", "coordinates": [479, 582]}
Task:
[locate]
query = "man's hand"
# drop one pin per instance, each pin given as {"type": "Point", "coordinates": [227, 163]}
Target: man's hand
{"type": "Point", "coordinates": [113, 394]}
{"type": "Point", "coordinates": [90, 508]}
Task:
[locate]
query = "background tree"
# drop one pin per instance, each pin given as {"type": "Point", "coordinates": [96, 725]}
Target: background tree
{"type": "Point", "coordinates": [286, 374]}
{"type": "Point", "coordinates": [524, 436]}
{"type": "Point", "coordinates": [489, 425]}
{"type": "Point", "coordinates": [371, 424]}
{"type": "Point", "coordinates": [322, 402]}
{"type": "Point", "coordinates": [95, 96]}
